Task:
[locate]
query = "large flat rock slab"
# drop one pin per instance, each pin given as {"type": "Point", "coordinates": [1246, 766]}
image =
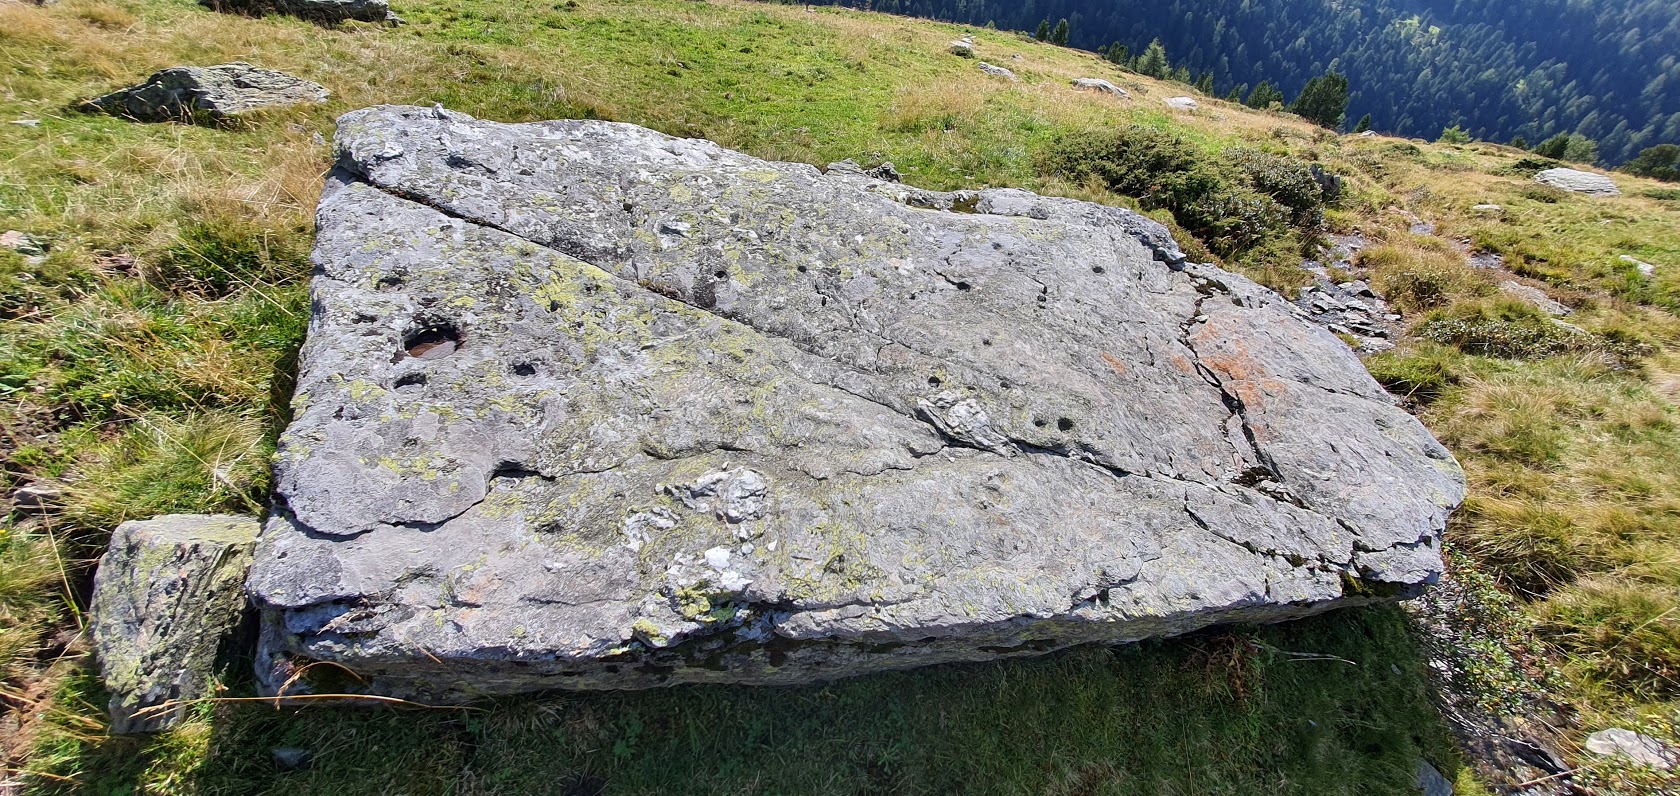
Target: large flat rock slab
{"type": "Point", "coordinates": [587, 406]}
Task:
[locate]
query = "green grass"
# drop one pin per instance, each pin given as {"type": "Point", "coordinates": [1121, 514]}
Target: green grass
{"type": "Point", "coordinates": [145, 366]}
{"type": "Point", "coordinates": [1223, 713]}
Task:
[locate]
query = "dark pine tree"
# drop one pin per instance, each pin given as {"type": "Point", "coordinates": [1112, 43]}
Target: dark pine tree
{"type": "Point", "coordinates": [1364, 124]}
{"type": "Point", "coordinates": [1059, 36]}
{"type": "Point", "coordinates": [1043, 33]}
{"type": "Point", "coordinates": [1324, 101]}
{"type": "Point", "coordinates": [1263, 96]}
{"type": "Point", "coordinates": [1154, 62]}
{"type": "Point", "coordinates": [1661, 162]}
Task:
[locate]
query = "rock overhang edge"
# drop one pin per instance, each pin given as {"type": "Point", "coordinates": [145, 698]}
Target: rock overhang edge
{"type": "Point", "coordinates": [587, 406]}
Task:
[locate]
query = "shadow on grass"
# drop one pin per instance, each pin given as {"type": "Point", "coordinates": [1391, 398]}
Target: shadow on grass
{"type": "Point", "coordinates": [1225, 712]}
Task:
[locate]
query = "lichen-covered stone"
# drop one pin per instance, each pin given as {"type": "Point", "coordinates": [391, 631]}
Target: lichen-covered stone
{"type": "Point", "coordinates": [216, 93]}
{"type": "Point", "coordinates": [586, 406]}
{"type": "Point", "coordinates": [168, 592]}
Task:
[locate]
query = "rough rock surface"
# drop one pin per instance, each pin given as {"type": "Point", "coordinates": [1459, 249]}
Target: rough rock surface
{"type": "Point", "coordinates": [583, 405]}
{"type": "Point", "coordinates": [1630, 745]}
{"type": "Point", "coordinates": [997, 71]}
{"type": "Point", "coordinates": [1099, 85]}
{"type": "Point", "coordinates": [1645, 269]}
{"type": "Point", "coordinates": [963, 47]}
{"type": "Point", "coordinates": [184, 93]}
{"type": "Point", "coordinates": [1578, 182]}
{"type": "Point", "coordinates": [328, 11]}
{"type": "Point", "coordinates": [1182, 103]}
{"type": "Point", "coordinates": [1535, 297]}
{"type": "Point", "coordinates": [167, 593]}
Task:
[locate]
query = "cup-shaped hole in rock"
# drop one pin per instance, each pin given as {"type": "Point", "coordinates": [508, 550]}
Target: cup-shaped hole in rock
{"type": "Point", "coordinates": [412, 382]}
{"type": "Point", "coordinates": [432, 341]}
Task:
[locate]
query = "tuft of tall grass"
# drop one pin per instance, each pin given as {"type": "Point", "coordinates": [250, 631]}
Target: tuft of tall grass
{"type": "Point", "coordinates": [202, 462]}
{"type": "Point", "coordinates": [1416, 278]}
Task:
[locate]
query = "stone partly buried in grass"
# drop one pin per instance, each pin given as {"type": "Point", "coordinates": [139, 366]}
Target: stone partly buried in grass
{"type": "Point", "coordinates": [167, 602]}
{"type": "Point", "coordinates": [583, 405]}
{"type": "Point", "coordinates": [214, 93]}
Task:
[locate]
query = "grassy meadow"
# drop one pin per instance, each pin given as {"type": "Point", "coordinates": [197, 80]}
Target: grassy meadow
{"type": "Point", "coordinates": [145, 367]}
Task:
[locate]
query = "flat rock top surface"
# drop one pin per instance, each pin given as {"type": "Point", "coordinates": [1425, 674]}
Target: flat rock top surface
{"type": "Point", "coordinates": [221, 90]}
{"type": "Point", "coordinates": [578, 390]}
{"type": "Point", "coordinates": [1578, 181]}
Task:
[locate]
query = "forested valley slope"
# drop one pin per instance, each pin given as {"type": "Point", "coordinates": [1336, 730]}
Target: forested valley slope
{"type": "Point", "coordinates": [1605, 69]}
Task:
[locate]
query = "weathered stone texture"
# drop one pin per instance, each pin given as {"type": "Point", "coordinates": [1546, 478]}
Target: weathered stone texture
{"type": "Point", "coordinates": [187, 93]}
{"type": "Point", "coordinates": [168, 592]}
{"type": "Point", "coordinates": [1577, 181]}
{"type": "Point", "coordinates": [583, 405]}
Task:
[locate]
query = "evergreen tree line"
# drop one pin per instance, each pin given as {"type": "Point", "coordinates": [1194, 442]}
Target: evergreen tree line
{"type": "Point", "coordinates": [1607, 71]}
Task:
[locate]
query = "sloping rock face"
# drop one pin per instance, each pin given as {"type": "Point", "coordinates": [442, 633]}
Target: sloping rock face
{"type": "Point", "coordinates": [586, 406]}
{"type": "Point", "coordinates": [183, 93]}
{"type": "Point", "coordinates": [1577, 181]}
{"type": "Point", "coordinates": [167, 595]}
{"type": "Point", "coordinates": [1099, 85]}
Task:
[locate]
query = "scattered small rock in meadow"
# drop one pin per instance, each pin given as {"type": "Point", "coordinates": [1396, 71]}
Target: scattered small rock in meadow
{"type": "Point", "coordinates": [1099, 85]}
{"type": "Point", "coordinates": [1629, 745]}
{"type": "Point", "coordinates": [1182, 103]}
{"type": "Point", "coordinates": [219, 93]}
{"type": "Point", "coordinates": [1535, 297]}
{"type": "Point", "coordinates": [291, 758]}
{"type": "Point", "coordinates": [1350, 307]}
{"type": "Point", "coordinates": [1576, 181]}
{"type": "Point", "coordinates": [1368, 134]}
{"type": "Point", "coordinates": [1491, 210]}
{"type": "Point", "coordinates": [36, 497]}
{"type": "Point", "coordinates": [168, 592]}
{"type": "Point", "coordinates": [22, 243]}
{"type": "Point", "coordinates": [963, 47]}
{"type": "Point", "coordinates": [27, 122]}
{"type": "Point", "coordinates": [997, 71]}
{"type": "Point", "coordinates": [1645, 269]}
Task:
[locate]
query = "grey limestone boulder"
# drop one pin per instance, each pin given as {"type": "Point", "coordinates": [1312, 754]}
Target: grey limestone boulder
{"type": "Point", "coordinates": [188, 93]}
{"type": "Point", "coordinates": [1636, 747]}
{"type": "Point", "coordinates": [1578, 182]}
{"type": "Point", "coordinates": [1535, 297]}
{"type": "Point", "coordinates": [1182, 103]}
{"type": "Point", "coordinates": [998, 71]}
{"type": "Point", "coordinates": [587, 406]}
{"type": "Point", "coordinates": [1099, 85]}
{"type": "Point", "coordinates": [168, 593]}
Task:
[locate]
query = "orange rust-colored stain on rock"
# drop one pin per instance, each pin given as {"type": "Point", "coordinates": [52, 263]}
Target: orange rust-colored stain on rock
{"type": "Point", "coordinates": [1116, 365]}
{"type": "Point", "coordinates": [1183, 363]}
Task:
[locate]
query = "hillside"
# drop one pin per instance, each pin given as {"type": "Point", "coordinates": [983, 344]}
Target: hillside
{"type": "Point", "coordinates": [1605, 69]}
{"type": "Point", "coordinates": [146, 364]}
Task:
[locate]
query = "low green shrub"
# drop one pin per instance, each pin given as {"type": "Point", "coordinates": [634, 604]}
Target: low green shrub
{"type": "Point", "coordinates": [1503, 328]}
{"type": "Point", "coordinates": [1528, 167]}
{"type": "Point", "coordinates": [1234, 205]}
